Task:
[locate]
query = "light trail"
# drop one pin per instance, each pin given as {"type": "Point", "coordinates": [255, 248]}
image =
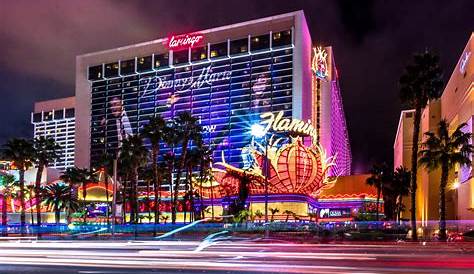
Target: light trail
{"type": "Point", "coordinates": [225, 256]}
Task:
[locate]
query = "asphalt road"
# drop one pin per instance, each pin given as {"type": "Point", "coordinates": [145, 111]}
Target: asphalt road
{"type": "Point", "coordinates": [233, 256]}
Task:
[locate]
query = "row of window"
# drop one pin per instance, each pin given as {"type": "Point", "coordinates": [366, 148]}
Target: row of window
{"type": "Point", "coordinates": [58, 114]}
{"type": "Point", "coordinates": [225, 109]}
{"type": "Point", "coordinates": [208, 52]}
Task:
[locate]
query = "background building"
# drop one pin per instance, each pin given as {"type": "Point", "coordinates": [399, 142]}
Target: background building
{"type": "Point", "coordinates": [456, 105]}
{"type": "Point", "coordinates": [56, 119]}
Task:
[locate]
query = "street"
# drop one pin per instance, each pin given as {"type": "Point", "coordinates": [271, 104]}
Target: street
{"type": "Point", "coordinates": [233, 257]}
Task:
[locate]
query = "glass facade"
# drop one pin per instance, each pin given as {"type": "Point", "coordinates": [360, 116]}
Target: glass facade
{"type": "Point", "coordinates": [226, 85]}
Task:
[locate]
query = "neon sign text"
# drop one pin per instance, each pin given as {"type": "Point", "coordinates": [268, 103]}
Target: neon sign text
{"type": "Point", "coordinates": [206, 77]}
{"type": "Point", "coordinates": [278, 123]}
{"type": "Point", "coordinates": [184, 41]}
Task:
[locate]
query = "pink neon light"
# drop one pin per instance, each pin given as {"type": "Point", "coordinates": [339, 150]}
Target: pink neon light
{"type": "Point", "coordinates": [184, 41]}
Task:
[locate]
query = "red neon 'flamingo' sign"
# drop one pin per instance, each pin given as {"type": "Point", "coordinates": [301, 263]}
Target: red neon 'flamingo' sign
{"type": "Point", "coordinates": [184, 41]}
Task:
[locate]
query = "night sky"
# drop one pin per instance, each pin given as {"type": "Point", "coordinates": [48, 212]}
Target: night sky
{"type": "Point", "coordinates": [372, 42]}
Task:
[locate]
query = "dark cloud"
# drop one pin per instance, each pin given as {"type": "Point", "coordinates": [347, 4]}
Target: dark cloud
{"type": "Point", "coordinates": [372, 41]}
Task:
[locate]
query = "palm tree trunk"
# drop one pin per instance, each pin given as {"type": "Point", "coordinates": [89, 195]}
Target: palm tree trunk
{"type": "Point", "coordinates": [4, 215]}
{"type": "Point", "coordinates": [156, 184]}
{"type": "Point", "coordinates": [201, 201]}
{"type": "Point", "coordinates": [399, 208]}
{"type": "Point", "coordinates": [184, 151]}
{"type": "Point", "coordinates": [377, 205]}
{"type": "Point", "coordinates": [106, 182]}
{"type": "Point", "coordinates": [39, 174]}
{"type": "Point", "coordinates": [22, 201]}
{"type": "Point", "coordinates": [414, 168]}
{"type": "Point", "coordinates": [84, 194]}
{"type": "Point", "coordinates": [170, 180]}
{"type": "Point", "coordinates": [191, 198]}
{"type": "Point", "coordinates": [442, 201]}
{"type": "Point", "coordinates": [31, 208]}
{"type": "Point", "coordinates": [157, 200]}
{"type": "Point", "coordinates": [135, 194]}
{"type": "Point", "coordinates": [124, 198]}
{"type": "Point", "coordinates": [148, 207]}
{"type": "Point", "coordinates": [57, 215]}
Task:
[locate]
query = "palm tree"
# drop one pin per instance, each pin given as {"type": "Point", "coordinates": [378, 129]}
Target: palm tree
{"type": "Point", "coordinates": [74, 177]}
{"type": "Point", "coordinates": [7, 188]}
{"type": "Point", "coordinates": [58, 197]}
{"type": "Point", "coordinates": [421, 82]}
{"type": "Point", "coordinates": [165, 218]}
{"type": "Point", "coordinates": [88, 175]}
{"type": "Point", "coordinates": [444, 150]}
{"type": "Point", "coordinates": [288, 213]}
{"type": "Point", "coordinates": [273, 211]}
{"type": "Point", "coordinates": [187, 129]}
{"type": "Point", "coordinates": [401, 179]}
{"type": "Point", "coordinates": [154, 131]}
{"type": "Point", "coordinates": [20, 151]}
{"type": "Point", "coordinates": [259, 214]}
{"type": "Point", "coordinates": [133, 156]}
{"type": "Point", "coordinates": [379, 175]}
{"type": "Point", "coordinates": [46, 151]}
{"type": "Point", "coordinates": [243, 216]}
{"type": "Point", "coordinates": [312, 215]}
{"type": "Point", "coordinates": [105, 164]}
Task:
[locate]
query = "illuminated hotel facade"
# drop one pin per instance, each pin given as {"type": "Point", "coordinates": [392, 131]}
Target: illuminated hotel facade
{"type": "Point", "coordinates": [228, 77]}
{"type": "Point", "coordinates": [456, 106]}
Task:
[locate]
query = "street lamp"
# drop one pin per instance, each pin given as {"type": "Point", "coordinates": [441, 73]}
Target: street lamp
{"type": "Point", "coordinates": [258, 131]}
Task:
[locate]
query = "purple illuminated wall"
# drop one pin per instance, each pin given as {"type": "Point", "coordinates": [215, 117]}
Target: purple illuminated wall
{"type": "Point", "coordinates": [340, 145]}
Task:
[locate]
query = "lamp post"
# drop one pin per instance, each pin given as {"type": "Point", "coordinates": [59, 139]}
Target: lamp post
{"type": "Point", "coordinates": [456, 186]}
{"type": "Point", "coordinates": [258, 131]}
{"type": "Point", "coordinates": [114, 197]}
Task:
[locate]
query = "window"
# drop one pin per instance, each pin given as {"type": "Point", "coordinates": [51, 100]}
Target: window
{"type": "Point", "coordinates": [281, 39]}
{"type": "Point", "coordinates": [261, 42]}
{"type": "Point", "coordinates": [58, 114]}
{"type": "Point", "coordinates": [48, 116]}
{"type": "Point", "coordinates": [161, 61]}
{"type": "Point", "coordinates": [127, 67]}
{"type": "Point", "coordinates": [37, 117]}
{"type": "Point", "coordinates": [70, 113]}
{"type": "Point", "coordinates": [198, 54]}
{"type": "Point", "coordinates": [219, 50]}
{"type": "Point", "coordinates": [180, 57]}
{"type": "Point", "coordinates": [111, 70]}
{"type": "Point", "coordinates": [144, 64]}
{"type": "Point", "coordinates": [239, 46]}
{"type": "Point", "coordinates": [95, 73]}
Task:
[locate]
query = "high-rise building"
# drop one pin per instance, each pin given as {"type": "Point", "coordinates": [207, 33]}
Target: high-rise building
{"type": "Point", "coordinates": [226, 76]}
{"type": "Point", "coordinates": [56, 119]}
{"type": "Point", "coordinates": [456, 106]}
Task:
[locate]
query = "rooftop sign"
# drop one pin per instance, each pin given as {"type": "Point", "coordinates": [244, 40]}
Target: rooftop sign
{"type": "Point", "coordinates": [319, 63]}
{"type": "Point", "coordinates": [176, 42]}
